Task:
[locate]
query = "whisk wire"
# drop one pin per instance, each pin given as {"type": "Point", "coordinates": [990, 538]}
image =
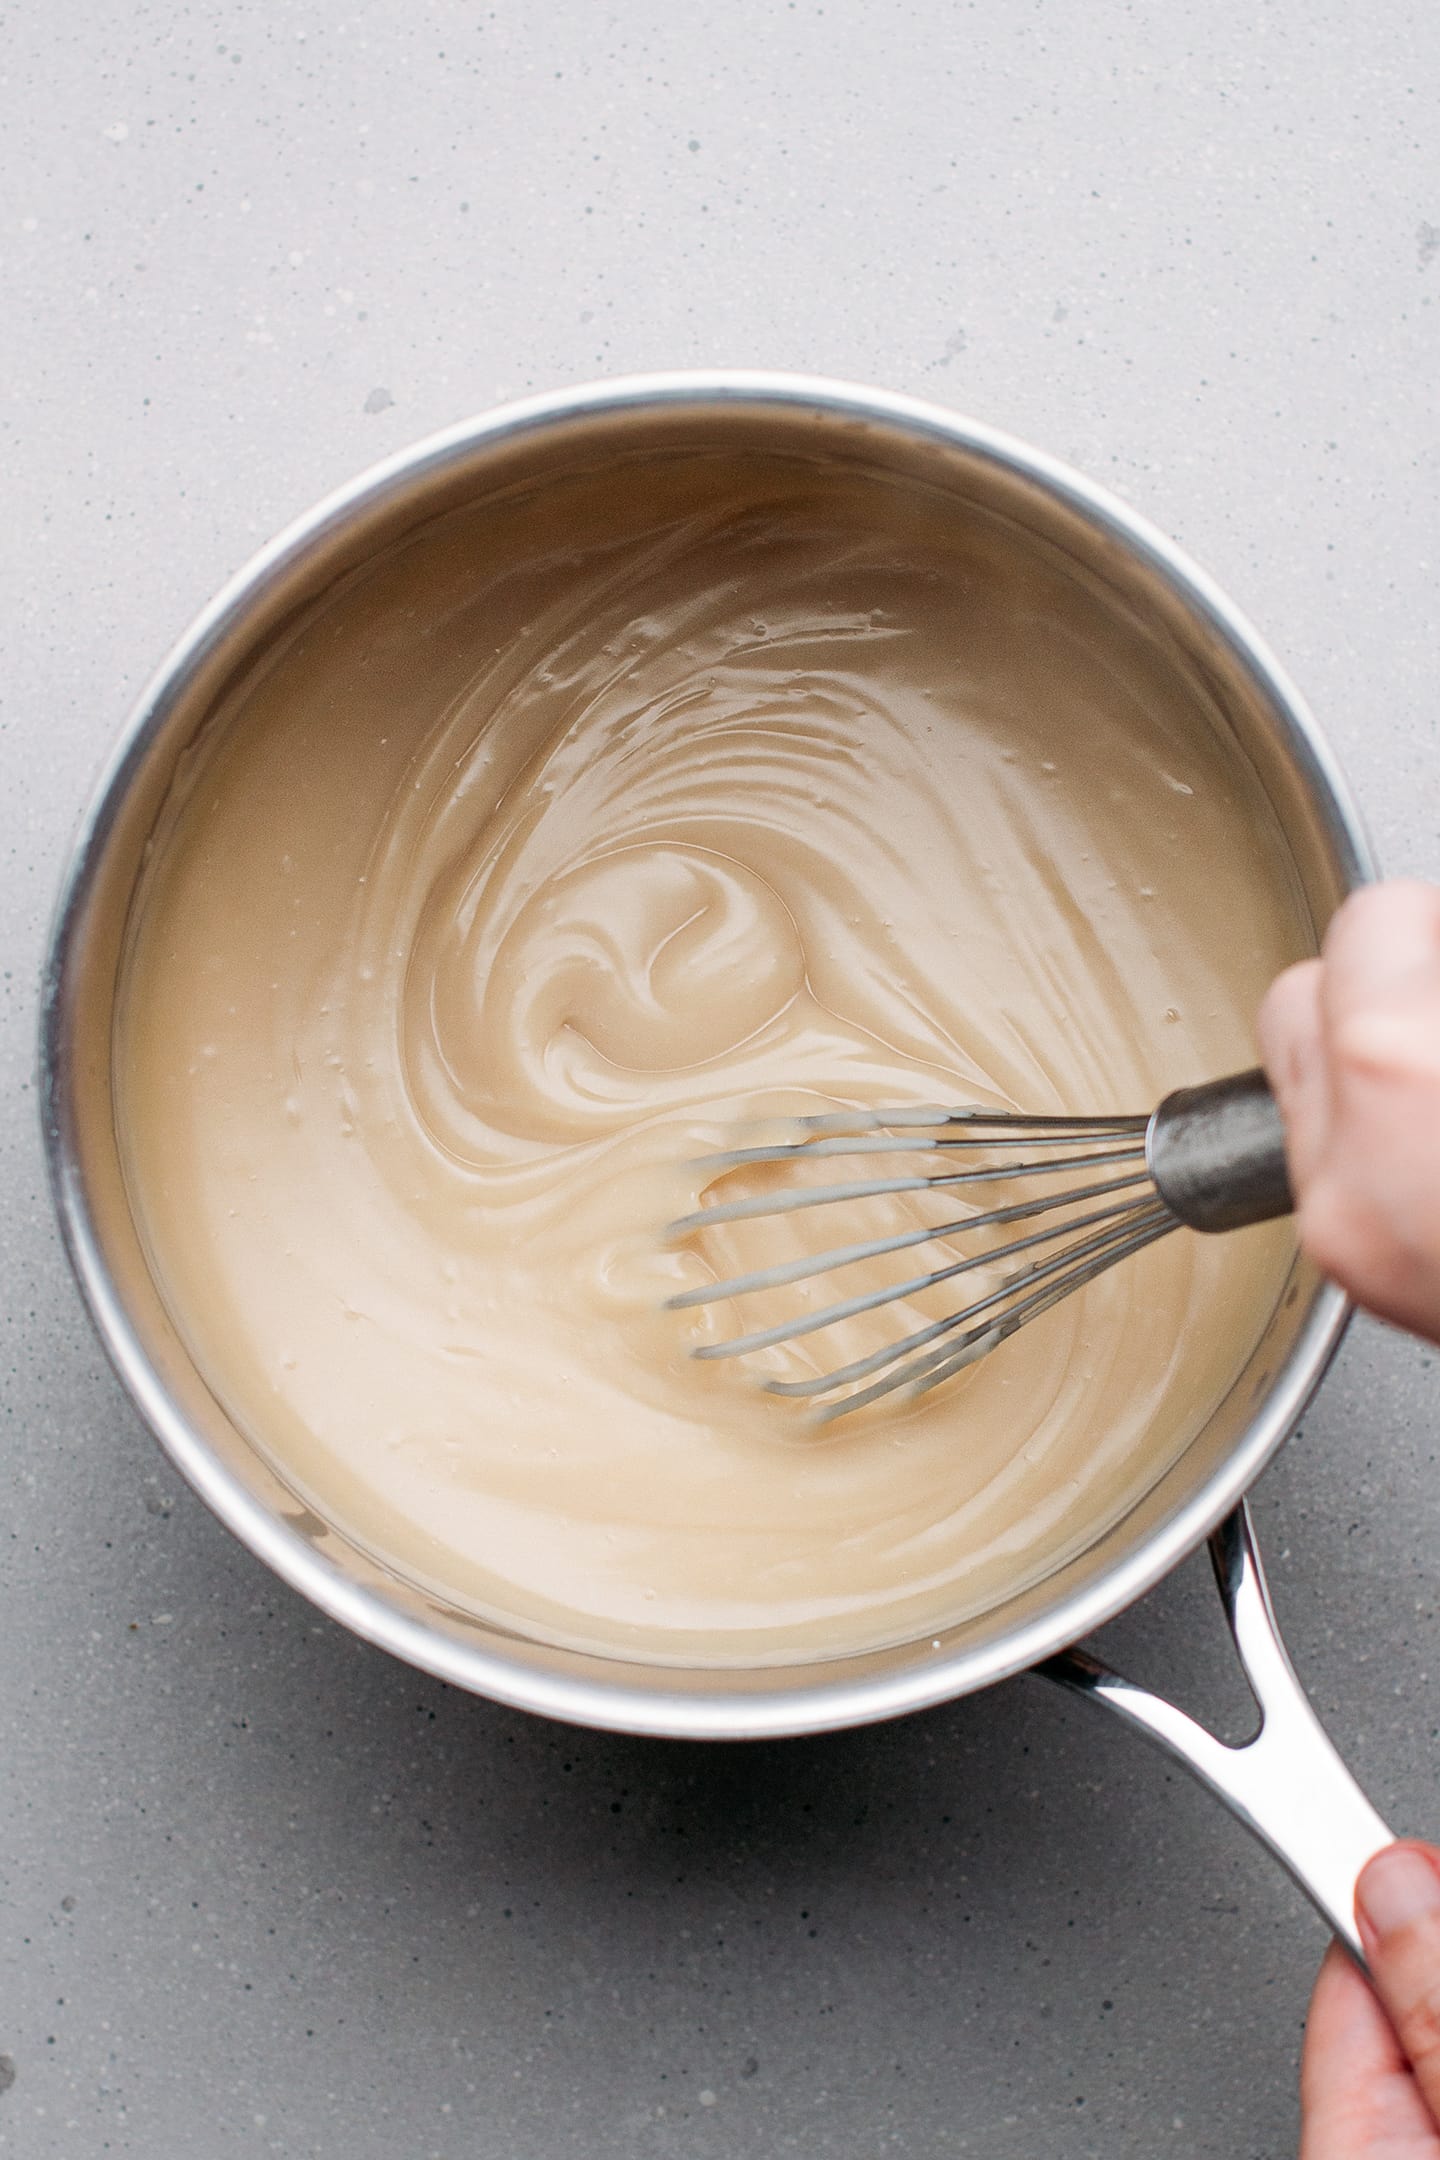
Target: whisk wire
{"type": "Point", "coordinates": [786, 1151]}
{"type": "Point", "coordinates": [790, 1271]}
{"type": "Point", "coordinates": [1069, 1262]}
{"type": "Point", "coordinates": [926, 1116]}
{"type": "Point", "coordinates": [921, 1374]}
{"type": "Point", "coordinates": [1210, 1157]}
{"type": "Point", "coordinates": [756, 1205]}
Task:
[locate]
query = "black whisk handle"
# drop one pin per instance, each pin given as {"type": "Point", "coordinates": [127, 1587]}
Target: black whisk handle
{"type": "Point", "coordinates": [1217, 1154]}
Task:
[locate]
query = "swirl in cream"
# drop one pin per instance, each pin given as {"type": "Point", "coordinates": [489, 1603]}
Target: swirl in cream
{"type": "Point", "coordinates": [575, 829]}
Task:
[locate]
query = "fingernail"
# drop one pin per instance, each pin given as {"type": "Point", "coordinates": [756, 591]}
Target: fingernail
{"type": "Point", "coordinates": [1398, 1887]}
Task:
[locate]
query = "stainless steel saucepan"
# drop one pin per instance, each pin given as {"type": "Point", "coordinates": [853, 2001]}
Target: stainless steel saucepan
{"type": "Point", "coordinates": [1287, 1785]}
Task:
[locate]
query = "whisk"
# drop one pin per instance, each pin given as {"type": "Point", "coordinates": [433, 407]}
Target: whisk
{"type": "Point", "coordinates": [1209, 1157]}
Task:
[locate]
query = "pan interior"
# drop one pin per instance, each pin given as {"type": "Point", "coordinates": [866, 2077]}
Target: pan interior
{"type": "Point", "coordinates": [1062, 670]}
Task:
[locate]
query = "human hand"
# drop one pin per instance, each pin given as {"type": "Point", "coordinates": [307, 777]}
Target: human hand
{"type": "Point", "coordinates": [1351, 1044]}
{"type": "Point", "coordinates": [1370, 2074]}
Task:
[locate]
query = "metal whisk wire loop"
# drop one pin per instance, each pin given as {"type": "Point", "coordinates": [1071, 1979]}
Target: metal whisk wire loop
{"type": "Point", "coordinates": [1211, 1157]}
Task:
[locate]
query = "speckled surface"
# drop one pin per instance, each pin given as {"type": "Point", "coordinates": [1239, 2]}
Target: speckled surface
{"type": "Point", "coordinates": [261, 1890]}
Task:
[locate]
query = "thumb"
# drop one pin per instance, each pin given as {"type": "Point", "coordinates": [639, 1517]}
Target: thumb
{"type": "Point", "coordinates": [1292, 1046]}
{"type": "Point", "coordinates": [1397, 1904]}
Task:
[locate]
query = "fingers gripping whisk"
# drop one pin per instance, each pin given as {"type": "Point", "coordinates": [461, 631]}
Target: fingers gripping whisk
{"type": "Point", "coordinates": [1060, 1200]}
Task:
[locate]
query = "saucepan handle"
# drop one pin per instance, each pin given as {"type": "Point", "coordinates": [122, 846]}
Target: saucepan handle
{"type": "Point", "coordinates": [1287, 1784]}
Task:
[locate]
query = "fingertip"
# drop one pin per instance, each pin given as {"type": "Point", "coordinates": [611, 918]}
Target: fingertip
{"type": "Point", "coordinates": [1398, 1888]}
{"type": "Point", "coordinates": [1288, 1029]}
{"type": "Point", "coordinates": [1381, 935]}
{"type": "Point", "coordinates": [1287, 1026]}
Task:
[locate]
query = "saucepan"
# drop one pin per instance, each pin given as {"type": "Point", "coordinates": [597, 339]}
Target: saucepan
{"type": "Point", "coordinates": [1287, 1784]}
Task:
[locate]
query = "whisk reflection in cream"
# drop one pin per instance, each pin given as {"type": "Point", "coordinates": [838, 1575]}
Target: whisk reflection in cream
{"type": "Point", "coordinates": [1211, 1158]}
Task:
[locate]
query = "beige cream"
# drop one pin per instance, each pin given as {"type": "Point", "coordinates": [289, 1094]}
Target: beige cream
{"type": "Point", "coordinates": [571, 832]}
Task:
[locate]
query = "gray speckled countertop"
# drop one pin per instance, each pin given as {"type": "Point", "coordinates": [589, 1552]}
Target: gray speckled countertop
{"type": "Point", "coordinates": [261, 1890]}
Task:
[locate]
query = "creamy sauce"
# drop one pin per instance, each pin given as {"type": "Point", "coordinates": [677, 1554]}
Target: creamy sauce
{"type": "Point", "coordinates": [576, 829]}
